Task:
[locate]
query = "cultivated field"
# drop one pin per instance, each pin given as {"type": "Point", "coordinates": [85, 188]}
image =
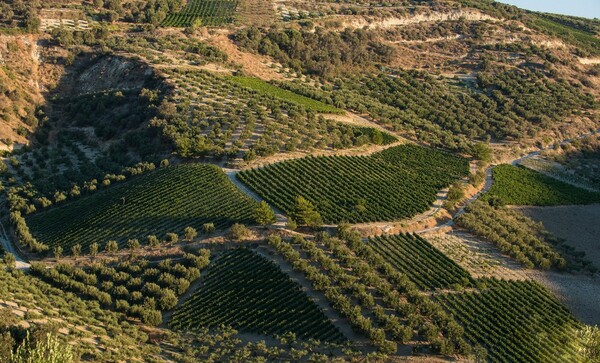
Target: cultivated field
{"type": "Point", "coordinates": [427, 267]}
{"type": "Point", "coordinates": [397, 183]}
{"type": "Point", "coordinates": [515, 185]}
{"type": "Point", "coordinates": [159, 202]}
{"type": "Point", "coordinates": [250, 293]}
{"type": "Point", "coordinates": [516, 321]}
{"type": "Point", "coordinates": [204, 12]}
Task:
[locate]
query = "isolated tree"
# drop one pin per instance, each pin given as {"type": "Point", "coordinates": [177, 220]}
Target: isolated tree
{"type": "Point", "coordinates": [264, 215]}
{"type": "Point", "coordinates": [208, 228]}
{"type": "Point", "coordinates": [172, 238]}
{"type": "Point", "coordinates": [190, 233]}
{"type": "Point", "coordinates": [94, 247]}
{"type": "Point", "coordinates": [9, 260]}
{"type": "Point", "coordinates": [153, 241]}
{"type": "Point", "coordinates": [133, 244]}
{"type": "Point", "coordinates": [111, 247]}
{"type": "Point", "coordinates": [58, 251]}
{"type": "Point", "coordinates": [76, 250]}
{"type": "Point", "coordinates": [377, 137]}
{"type": "Point", "coordinates": [291, 224]}
{"type": "Point", "coordinates": [482, 151]}
{"type": "Point", "coordinates": [305, 213]}
{"type": "Point", "coordinates": [239, 232]}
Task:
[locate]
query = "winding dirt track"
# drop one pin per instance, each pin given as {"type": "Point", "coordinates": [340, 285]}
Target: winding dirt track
{"type": "Point", "coordinates": [9, 247]}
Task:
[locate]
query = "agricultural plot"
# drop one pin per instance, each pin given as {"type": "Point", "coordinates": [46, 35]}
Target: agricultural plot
{"type": "Point", "coordinates": [397, 183]}
{"type": "Point", "coordinates": [427, 267]}
{"type": "Point", "coordinates": [162, 201]}
{"type": "Point", "coordinates": [515, 321]}
{"type": "Point", "coordinates": [204, 12]}
{"type": "Point", "coordinates": [378, 301]}
{"type": "Point", "coordinates": [217, 116]}
{"type": "Point", "coordinates": [520, 186]}
{"type": "Point", "coordinates": [250, 293]}
{"type": "Point", "coordinates": [265, 87]}
{"type": "Point", "coordinates": [138, 288]}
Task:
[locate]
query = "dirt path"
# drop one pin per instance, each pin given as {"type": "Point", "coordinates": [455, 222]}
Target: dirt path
{"type": "Point", "coordinates": [318, 298]}
{"type": "Point", "coordinates": [9, 247]}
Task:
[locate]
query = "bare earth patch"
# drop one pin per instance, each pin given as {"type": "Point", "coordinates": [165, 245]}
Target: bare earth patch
{"type": "Point", "coordinates": [480, 258]}
{"type": "Point", "coordinates": [578, 225]}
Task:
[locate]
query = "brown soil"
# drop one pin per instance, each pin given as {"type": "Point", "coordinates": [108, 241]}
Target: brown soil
{"type": "Point", "coordinates": [578, 225]}
{"type": "Point", "coordinates": [253, 64]}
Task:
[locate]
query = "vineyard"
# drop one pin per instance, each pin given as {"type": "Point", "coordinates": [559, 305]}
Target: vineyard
{"type": "Point", "coordinates": [139, 288]}
{"type": "Point", "coordinates": [265, 87]}
{"type": "Point", "coordinates": [515, 321]}
{"type": "Point", "coordinates": [397, 183]}
{"type": "Point", "coordinates": [217, 115]}
{"type": "Point", "coordinates": [204, 12]}
{"type": "Point", "coordinates": [427, 267]}
{"type": "Point", "coordinates": [250, 293]}
{"type": "Point", "coordinates": [158, 202]}
{"type": "Point", "coordinates": [520, 186]}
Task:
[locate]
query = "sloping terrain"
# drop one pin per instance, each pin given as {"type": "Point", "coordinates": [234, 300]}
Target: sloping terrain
{"type": "Point", "coordinates": [226, 180]}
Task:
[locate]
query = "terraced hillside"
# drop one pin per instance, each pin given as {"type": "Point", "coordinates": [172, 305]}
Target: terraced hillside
{"type": "Point", "coordinates": [203, 12]}
{"type": "Point", "coordinates": [227, 117]}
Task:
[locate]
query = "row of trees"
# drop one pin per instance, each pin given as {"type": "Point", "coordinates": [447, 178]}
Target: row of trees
{"type": "Point", "coordinates": [137, 288]}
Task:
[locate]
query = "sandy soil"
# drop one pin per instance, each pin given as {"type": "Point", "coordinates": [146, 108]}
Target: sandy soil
{"type": "Point", "coordinates": [578, 225]}
{"type": "Point", "coordinates": [480, 258]}
{"type": "Point", "coordinates": [581, 294]}
{"type": "Point", "coordinates": [253, 64]}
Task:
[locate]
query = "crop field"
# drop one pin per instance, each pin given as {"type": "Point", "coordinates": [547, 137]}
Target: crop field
{"type": "Point", "coordinates": [159, 202]}
{"type": "Point", "coordinates": [520, 186]}
{"type": "Point", "coordinates": [397, 183]}
{"type": "Point", "coordinates": [265, 87]}
{"type": "Point", "coordinates": [427, 267]}
{"type": "Point", "coordinates": [515, 321]}
{"type": "Point", "coordinates": [250, 293]}
{"type": "Point", "coordinates": [204, 12]}
{"type": "Point", "coordinates": [127, 285]}
{"type": "Point", "coordinates": [219, 116]}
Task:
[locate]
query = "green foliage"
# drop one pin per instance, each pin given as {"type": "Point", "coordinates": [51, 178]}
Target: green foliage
{"type": "Point", "coordinates": [516, 185]}
{"type": "Point", "coordinates": [204, 12]}
{"type": "Point", "coordinates": [239, 232]}
{"type": "Point", "coordinates": [264, 215]}
{"type": "Point", "coordinates": [520, 237]}
{"type": "Point", "coordinates": [305, 214]}
{"type": "Point", "coordinates": [322, 52]}
{"type": "Point", "coordinates": [541, 329]}
{"type": "Point", "coordinates": [379, 301]}
{"type": "Point", "coordinates": [52, 350]}
{"type": "Point", "coordinates": [190, 233]}
{"type": "Point", "coordinates": [397, 183]}
{"type": "Point", "coordinates": [137, 288]}
{"type": "Point", "coordinates": [171, 198]}
{"type": "Point", "coordinates": [250, 293]}
{"type": "Point", "coordinates": [589, 343]}
{"type": "Point", "coordinates": [9, 259]}
{"type": "Point", "coordinates": [267, 88]}
{"type": "Point", "coordinates": [586, 42]}
{"type": "Point", "coordinates": [211, 115]}
{"type": "Point", "coordinates": [427, 267]}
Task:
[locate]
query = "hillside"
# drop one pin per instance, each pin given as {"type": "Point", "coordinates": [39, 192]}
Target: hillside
{"type": "Point", "coordinates": [283, 180]}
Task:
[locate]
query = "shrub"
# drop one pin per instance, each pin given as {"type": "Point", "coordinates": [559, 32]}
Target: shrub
{"type": "Point", "coordinates": [239, 232]}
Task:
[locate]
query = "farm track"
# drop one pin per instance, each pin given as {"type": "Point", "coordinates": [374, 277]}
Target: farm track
{"type": "Point", "coordinates": [340, 322]}
{"type": "Point", "coordinates": [8, 246]}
